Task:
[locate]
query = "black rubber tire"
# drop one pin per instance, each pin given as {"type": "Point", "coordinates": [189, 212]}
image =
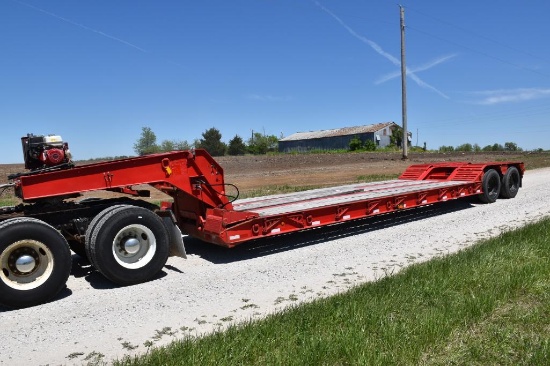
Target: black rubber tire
{"type": "Point", "coordinates": [490, 184]}
{"type": "Point", "coordinates": [110, 233]}
{"type": "Point", "coordinates": [30, 237]}
{"type": "Point", "coordinates": [510, 183]}
{"type": "Point", "coordinates": [92, 226]}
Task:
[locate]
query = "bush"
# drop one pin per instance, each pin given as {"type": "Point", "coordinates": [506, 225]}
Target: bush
{"type": "Point", "coordinates": [355, 144]}
{"type": "Point", "coordinates": [369, 145]}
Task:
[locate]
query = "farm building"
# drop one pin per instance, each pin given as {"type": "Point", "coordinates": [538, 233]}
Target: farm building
{"type": "Point", "coordinates": [337, 138]}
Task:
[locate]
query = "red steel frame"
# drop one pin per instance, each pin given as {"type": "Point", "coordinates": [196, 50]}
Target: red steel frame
{"type": "Point", "coordinates": [196, 183]}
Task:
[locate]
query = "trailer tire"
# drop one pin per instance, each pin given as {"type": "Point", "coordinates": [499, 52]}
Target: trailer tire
{"type": "Point", "coordinates": [91, 228]}
{"type": "Point", "coordinates": [129, 245]}
{"type": "Point", "coordinates": [35, 262]}
{"type": "Point", "coordinates": [490, 184]}
{"type": "Point", "coordinates": [510, 183]}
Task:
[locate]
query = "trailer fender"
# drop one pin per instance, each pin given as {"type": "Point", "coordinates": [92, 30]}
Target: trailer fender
{"type": "Point", "coordinates": [177, 248]}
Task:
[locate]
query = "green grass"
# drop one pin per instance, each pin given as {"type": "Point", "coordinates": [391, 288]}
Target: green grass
{"type": "Point", "coordinates": [487, 305]}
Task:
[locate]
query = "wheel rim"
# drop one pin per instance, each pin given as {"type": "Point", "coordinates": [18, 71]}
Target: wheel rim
{"type": "Point", "coordinates": [134, 246]}
{"type": "Point", "coordinates": [26, 264]}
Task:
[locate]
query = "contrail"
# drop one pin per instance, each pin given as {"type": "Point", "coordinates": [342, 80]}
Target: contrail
{"type": "Point", "coordinates": [416, 69]}
{"type": "Point", "coordinates": [82, 26]}
{"type": "Point", "coordinates": [380, 51]}
{"type": "Point", "coordinates": [511, 95]}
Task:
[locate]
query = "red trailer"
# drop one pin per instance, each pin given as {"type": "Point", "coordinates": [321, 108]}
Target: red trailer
{"type": "Point", "coordinates": [128, 240]}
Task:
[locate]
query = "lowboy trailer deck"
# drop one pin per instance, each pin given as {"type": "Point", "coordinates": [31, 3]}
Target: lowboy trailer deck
{"type": "Point", "coordinates": [129, 240]}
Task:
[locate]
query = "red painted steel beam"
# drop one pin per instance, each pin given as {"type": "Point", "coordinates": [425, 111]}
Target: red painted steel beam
{"type": "Point", "coordinates": [194, 173]}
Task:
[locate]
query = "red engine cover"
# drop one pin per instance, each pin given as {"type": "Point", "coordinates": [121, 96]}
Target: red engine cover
{"type": "Point", "coordinates": [52, 156]}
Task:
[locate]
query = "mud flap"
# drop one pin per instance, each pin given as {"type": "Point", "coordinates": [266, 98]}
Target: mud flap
{"type": "Point", "coordinates": [177, 248]}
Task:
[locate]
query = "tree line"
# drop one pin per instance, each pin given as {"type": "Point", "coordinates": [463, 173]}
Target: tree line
{"type": "Point", "coordinates": [260, 143]}
{"type": "Point", "coordinates": [508, 146]}
{"type": "Point", "coordinates": [211, 141]}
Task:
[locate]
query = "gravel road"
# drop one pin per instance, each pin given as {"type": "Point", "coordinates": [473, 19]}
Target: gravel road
{"type": "Point", "coordinates": [93, 320]}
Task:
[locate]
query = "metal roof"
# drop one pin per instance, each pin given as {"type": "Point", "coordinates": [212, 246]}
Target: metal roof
{"type": "Point", "coordinates": [345, 131]}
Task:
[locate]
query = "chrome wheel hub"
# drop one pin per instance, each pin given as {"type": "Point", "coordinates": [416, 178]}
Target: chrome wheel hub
{"type": "Point", "coordinates": [134, 246]}
{"type": "Point", "coordinates": [26, 264]}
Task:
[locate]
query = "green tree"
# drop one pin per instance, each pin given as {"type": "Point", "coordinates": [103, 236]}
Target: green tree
{"type": "Point", "coordinates": [212, 142]}
{"type": "Point", "coordinates": [396, 136]}
{"type": "Point", "coordinates": [272, 143]}
{"type": "Point", "coordinates": [147, 143]}
{"type": "Point", "coordinates": [446, 148]}
{"type": "Point", "coordinates": [261, 144]}
{"type": "Point", "coordinates": [493, 147]}
{"type": "Point", "coordinates": [167, 145]}
{"type": "Point", "coordinates": [173, 145]}
{"type": "Point", "coordinates": [236, 146]}
{"type": "Point", "coordinates": [511, 146]}
{"type": "Point", "coordinates": [182, 145]}
{"type": "Point", "coordinates": [465, 147]}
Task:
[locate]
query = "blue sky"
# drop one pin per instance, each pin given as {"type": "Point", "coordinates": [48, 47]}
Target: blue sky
{"type": "Point", "coordinates": [96, 72]}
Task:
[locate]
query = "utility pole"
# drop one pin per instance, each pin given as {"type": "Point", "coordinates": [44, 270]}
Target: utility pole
{"type": "Point", "coordinates": [403, 85]}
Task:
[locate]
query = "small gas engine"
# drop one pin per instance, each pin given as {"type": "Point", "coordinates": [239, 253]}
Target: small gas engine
{"type": "Point", "coordinates": [45, 152]}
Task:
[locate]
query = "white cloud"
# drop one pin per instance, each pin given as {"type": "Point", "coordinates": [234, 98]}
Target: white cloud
{"type": "Point", "coordinates": [491, 97]}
